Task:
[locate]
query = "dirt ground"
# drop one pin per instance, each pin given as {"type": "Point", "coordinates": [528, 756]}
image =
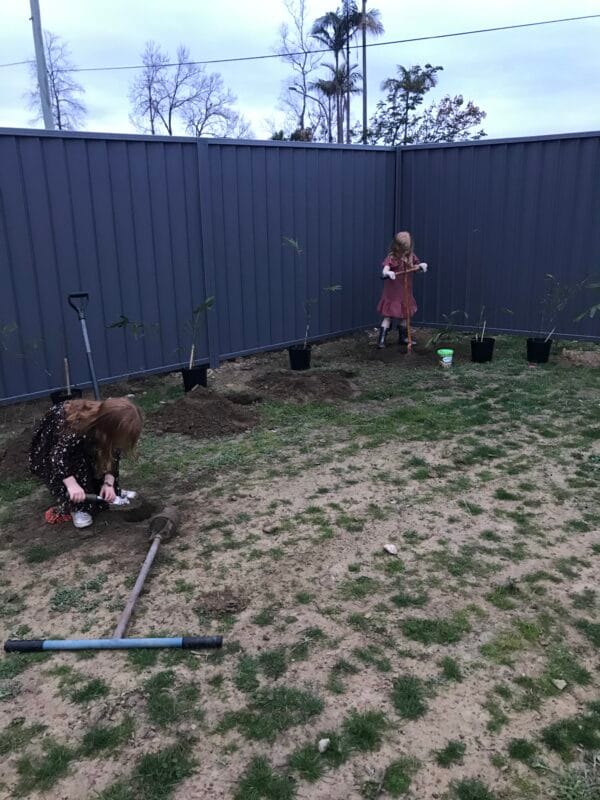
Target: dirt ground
{"type": "Point", "coordinates": [464, 665]}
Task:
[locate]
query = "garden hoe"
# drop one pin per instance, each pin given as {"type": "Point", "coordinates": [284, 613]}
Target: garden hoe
{"type": "Point", "coordinates": [162, 527]}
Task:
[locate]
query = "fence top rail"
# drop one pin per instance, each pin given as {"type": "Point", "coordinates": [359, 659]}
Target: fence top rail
{"type": "Point", "coordinates": [548, 137]}
{"type": "Point", "coordinates": [137, 137]}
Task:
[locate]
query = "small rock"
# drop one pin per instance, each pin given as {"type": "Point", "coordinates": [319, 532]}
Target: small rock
{"type": "Point", "coordinates": [324, 745]}
{"type": "Point", "coordinates": [130, 396]}
{"type": "Point", "coordinates": [391, 549]}
{"type": "Point", "coordinates": [270, 528]}
{"type": "Point", "coordinates": [560, 684]}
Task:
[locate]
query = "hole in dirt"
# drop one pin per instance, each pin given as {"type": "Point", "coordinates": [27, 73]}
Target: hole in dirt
{"type": "Point", "coordinates": [304, 387]}
{"type": "Point", "coordinates": [139, 513]}
{"type": "Point", "coordinates": [220, 602]}
{"type": "Point", "coordinates": [243, 398]}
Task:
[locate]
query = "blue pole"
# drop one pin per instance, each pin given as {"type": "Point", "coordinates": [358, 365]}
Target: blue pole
{"type": "Point", "coordinates": [177, 642]}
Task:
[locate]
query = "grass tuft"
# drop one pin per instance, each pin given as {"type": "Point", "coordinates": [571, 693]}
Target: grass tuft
{"type": "Point", "coordinates": [408, 697]}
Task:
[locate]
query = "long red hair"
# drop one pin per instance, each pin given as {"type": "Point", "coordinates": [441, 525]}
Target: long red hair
{"type": "Point", "coordinates": [115, 424]}
{"type": "Point", "coordinates": [401, 246]}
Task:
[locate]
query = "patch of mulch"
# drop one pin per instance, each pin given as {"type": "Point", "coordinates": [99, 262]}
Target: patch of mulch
{"type": "Point", "coordinates": [202, 414]}
{"type": "Point", "coordinates": [305, 387]}
{"type": "Point", "coordinates": [14, 457]}
{"type": "Point", "coordinates": [582, 358]}
{"type": "Point", "coordinates": [222, 602]}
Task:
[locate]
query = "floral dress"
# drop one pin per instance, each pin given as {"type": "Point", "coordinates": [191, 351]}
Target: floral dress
{"type": "Point", "coordinates": [397, 299]}
{"type": "Point", "coordinates": [58, 452]}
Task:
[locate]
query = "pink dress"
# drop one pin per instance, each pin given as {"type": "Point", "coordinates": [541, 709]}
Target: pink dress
{"type": "Point", "coordinates": [397, 299]}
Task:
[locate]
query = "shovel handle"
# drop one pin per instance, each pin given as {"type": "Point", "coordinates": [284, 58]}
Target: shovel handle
{"type": "Point", "coordinates": [80, 306]}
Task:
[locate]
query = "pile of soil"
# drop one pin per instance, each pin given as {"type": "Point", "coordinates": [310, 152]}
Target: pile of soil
{"type": "Point", "coordinates": [202, 414]}
{"type": "Point", "coordinates": [219, 603]}
{"type": "Point", "coordinates": [304, 387]}
{"type": "Point", "coordinates": [14, 457]}
{"type": "Point", "coordinates": [583, 358]}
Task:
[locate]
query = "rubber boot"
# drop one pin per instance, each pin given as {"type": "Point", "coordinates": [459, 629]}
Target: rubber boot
{"type": "Point", "coordinates": [382, 334]}
{"type": "Point", "coordinates": [403, 336]}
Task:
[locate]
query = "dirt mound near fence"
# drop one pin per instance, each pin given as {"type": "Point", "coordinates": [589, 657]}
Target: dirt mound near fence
{"type": "Point", "coordinates": [304, 387]}
{"type": "Point", "coordinates": [202, 414]}
{"type": "Point", "coordinates": [14, 457]}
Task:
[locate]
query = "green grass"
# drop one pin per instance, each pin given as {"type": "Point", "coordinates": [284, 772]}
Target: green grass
{"type": "Point", "coordinates": [451, 669]}
{"type": "Point", "coordinates": [304, 598]}
{"type": "Point", "coordinates": [246, 675]}
{"type": "Point", "coordinates": [16, 663]}
{"type": "Point", "coordinates": [16, 489]}
{"type": "Point", "coordinates": [406, 599]}
{"type": "Point", "coordinates": [40, 773]}
{"type": "Point", "coordinates": [140, 659]}
{"type": "Point", "coordinates": [341, 668]}
{"type": "Point", "coordinates": [167, 703]}
{"type": "Point", "coordinates": [591, 630]}
{"type": "Point", "coordinates": [398, 776]}
{"type": "Point", "coordinates": [308, 763]}
{"type": "Point", "coordinates": [156, 775]}
{"type": "Point", "coordinates": [259, 782]}
{"type": "Point", "coordinates": [409, 696]}
{"type": "Point", "coordinates": [581, 731]}
{"type": "Point", "coordinates": [585, 600]}
{"type": "Point", "coordinates": [373, 657]}
{"type": "Point", "coordinates": [521, 749]}
{"type": "Point", "coordinates": [363, 731]}
{"type": "Point", "coordinates": [17, 734]}
{"type": "Point", "coordinates": [504, 596]}
{"type": "Point", "coordinates": [106, 738]}
{"type": "Point", "coordinates": [436, 631]}
{"type": "Point", "coordinates": [471, 789]}
{"type": "Point", "coordinates": [91, 690]}
{"type": "Point", "coordinates": [271, 711]}
{"type": "Point", "coordinates": [358, 588]}
{"type": "Point", "coordinates": [452, 753]}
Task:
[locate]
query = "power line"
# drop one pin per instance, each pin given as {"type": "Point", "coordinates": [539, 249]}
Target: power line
{"type": "Point", "coordinates": [326, 50]}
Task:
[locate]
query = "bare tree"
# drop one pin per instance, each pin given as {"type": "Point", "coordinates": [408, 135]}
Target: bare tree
{"type": "Point", "coordinates": [211, 112]}
{"type": "Point", "coordinates": [145, 91]}
{"type": "Point", "coordinates": [165, 94]}
{"type": "Point", "coordinates": [295, 48]}
{"type": "Point", "coordinates": [68, 110]}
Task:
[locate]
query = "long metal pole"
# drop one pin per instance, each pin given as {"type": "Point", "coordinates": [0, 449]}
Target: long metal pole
{"type": "Point", "coordinates": [347, 4]}
{"type": "Point", "coordinates": [40, 58]}
{"type": "Point", "coordinates": [135, 592]}
{"type": "Point", "coordinates": [364, 65]}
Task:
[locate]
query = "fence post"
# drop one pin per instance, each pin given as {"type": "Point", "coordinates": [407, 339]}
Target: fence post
{"type": "Point", "coordinates": [208, 260]}
{"type": "Point", "coordinates": [398, 191]}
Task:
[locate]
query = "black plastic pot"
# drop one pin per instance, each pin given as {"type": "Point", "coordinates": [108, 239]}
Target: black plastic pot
{"type": "Point", "coordinates": [61, 396]}
{"type": "Point", "coordinates": [538, 350]}
{"type": "Point", "coordinates": [482, 350]}
{"type": "Point", "coordinates": [196, 376]}
{"type": "Point", "coordinates": [299, 357]}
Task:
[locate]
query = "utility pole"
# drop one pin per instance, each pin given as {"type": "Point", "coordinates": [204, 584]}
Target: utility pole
{"type": "Point", "coordinates": [364, 69]}
{"type": "Point", "coordinates": [347, 10]}
{"type": "Point", "coordinates": [40, 59]}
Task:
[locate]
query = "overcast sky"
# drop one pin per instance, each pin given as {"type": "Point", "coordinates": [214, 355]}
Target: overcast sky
{"type": "Point", "coordinates": [530, 81]}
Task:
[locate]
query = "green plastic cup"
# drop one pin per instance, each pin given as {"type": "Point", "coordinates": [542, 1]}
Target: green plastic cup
{"type": "Point", "coordinates": [445, 355]}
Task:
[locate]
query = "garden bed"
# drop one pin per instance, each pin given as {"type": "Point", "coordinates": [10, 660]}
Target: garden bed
{"type": "Point", "coordinates": [463, 666]}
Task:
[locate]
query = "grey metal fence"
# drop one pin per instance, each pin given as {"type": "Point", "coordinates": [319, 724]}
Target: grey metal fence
{"type": "Point", "coordinates": [150, 226]}
{"type": "Point", "coordinates": [493, 218]}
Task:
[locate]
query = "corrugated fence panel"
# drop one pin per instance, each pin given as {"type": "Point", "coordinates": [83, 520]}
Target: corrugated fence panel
{"type": "Point", "coordinates": [336, 203]}
{"type": "Point", "coordinates": [150, 226]}
{"type": "Point", "coordinates": [493, 219]}
{"type": "Point", "coordinates": [119, 219]}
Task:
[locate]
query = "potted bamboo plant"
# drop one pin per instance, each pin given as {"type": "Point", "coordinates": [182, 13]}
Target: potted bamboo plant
{"type": "Point", "coordinates": [300, 354]}
{"type": "Point", "coordinates": [194, 374]}
{"type": "Point", "coordinates": [482, 346]}
{"type": "Point", "coordinates": [554, 301]}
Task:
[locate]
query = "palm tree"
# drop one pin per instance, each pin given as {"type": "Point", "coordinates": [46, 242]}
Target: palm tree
{"type": "Point", "coordinates": [330, 31]}
{"type": "Point", "coordinates": [328, 89]}
{"type": "Point", "coordinates": [335, 30]}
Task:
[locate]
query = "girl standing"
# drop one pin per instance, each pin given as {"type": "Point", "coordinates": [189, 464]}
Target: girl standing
{"type": "Point", "coordinates": [397, 301]}
{"type": "Point", "coordinates": [76, 451]}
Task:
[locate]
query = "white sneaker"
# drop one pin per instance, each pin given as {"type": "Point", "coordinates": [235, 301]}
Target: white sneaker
{"type": "Point", "coordinates": [120, 501]}
{"type": "Point", "coordinates": [81, 519]}
{"type": "Point", "coordinates": [128, 495]}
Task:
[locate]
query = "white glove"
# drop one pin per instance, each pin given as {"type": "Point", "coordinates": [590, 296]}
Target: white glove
{"type": "Point", "coordinates": [423, 266]}
{"type": "Point", "coordinates": [387, 273]}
